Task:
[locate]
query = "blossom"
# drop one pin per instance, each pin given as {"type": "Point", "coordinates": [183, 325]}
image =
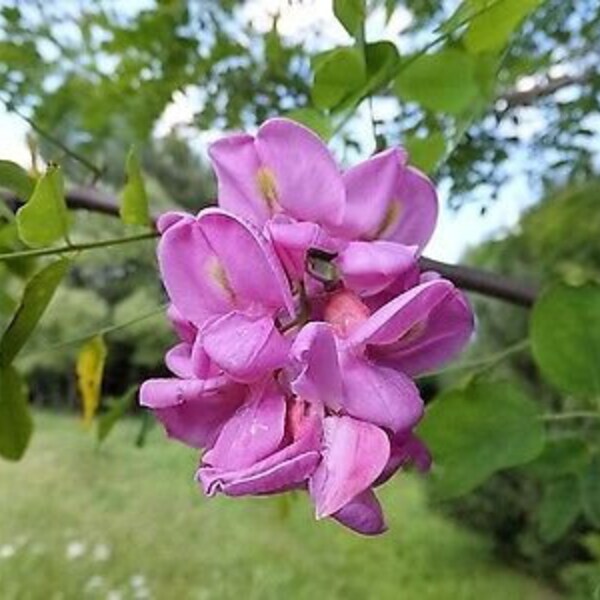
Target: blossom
{"type": "Point", "coordinates": [205, 262]}
{"type": "Point", "coordinates": [285, 181]}
{"type": "Point", "coordinates": [302, 319]}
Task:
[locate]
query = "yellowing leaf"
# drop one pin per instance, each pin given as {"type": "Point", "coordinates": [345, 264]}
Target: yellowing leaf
{"type": "Point", "coordinates": [134, 200]}
{"type": "Point", "coordinates": [90, 367]}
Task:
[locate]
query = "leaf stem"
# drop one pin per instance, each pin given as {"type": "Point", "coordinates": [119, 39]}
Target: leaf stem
{"type": "Point", "coordinates": [576, 414]}
{"type": "Point", "coordinates": [484, 363]}
{"type": "Point", "coordinates": [78, 247]}
{"type": "Point", "coordinates": [102, 332]}
{"type": "Point", "coordinates": [53, 140]}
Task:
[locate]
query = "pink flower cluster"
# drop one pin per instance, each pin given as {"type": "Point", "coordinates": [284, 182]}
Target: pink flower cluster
{"type": "Point", "coordinates": [302, 318]}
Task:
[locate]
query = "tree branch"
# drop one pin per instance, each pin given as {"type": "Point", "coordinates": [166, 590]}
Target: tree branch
{"type": "Point", "coordinates": [466, 278]}
{"type": "Point", "coordinates": [484, 282]}
{"type": "Point", "coordinates": [514, 98]}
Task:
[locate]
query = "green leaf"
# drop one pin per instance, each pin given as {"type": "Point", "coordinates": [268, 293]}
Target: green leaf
{"type": "Point", "coordinates": [565, 338]}
{"type": "Point", "coordinates": [314, 120]}
{"type": "Point", "coordinates": [338, 73]}
{"type": "Point", "coordinates": [36, 297]}
{"type": "Point", "coordinates": [491, 30]}
{"type": "Point", "coordinates": [16, 424]}
{"type": "Point", "coordinates": [476, 431]}
{"type": "Point", "coordinates": [560, 506]}
{"type": "Point", "coordinates": [146, 424]}
{"type": "Point", "coordinates": [425, 153]}
{"type": "Point", "coordinates": [44, 218]}
{"type": "Point", "coordinates": [134, 200]}
{"type": "Point", "coordinates": [16, 179]}
{"type": "Point", "coordinates": [590, 490]}
{"type": "Point", "coordinates": [444, 81]}
{"type": "Point", "coordinates": [563, 456]}
{"type": "Point", "coordinates": [465, 11]}
{"type": "Point", "coordinates": [118, 409]}
{"type": "Point", "coordinates": [381, 59]}
{"type": "Point", "coordinates": [351, 14]}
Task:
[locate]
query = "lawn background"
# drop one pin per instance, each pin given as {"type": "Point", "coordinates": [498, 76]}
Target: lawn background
{"type": "Point", "coordinates": [123, 522]}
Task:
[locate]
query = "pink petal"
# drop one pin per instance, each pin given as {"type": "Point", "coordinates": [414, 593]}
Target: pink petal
{"type": "Point", "coordinates": [416, 203]}
{"type": "Point", "coordinates": [192, 411]}
{"type": "Point", "coordinates": [185, 330]}
{"type": "Point", "coordinates": [379, 395]}
{"type": "Point", "coordinates": [354, 455]}
{"type": "Point", "coordinates": [169, 219]}
{"type": "Point", "coordinates": [386, 199]}
{"type": "Point", "coordinates": [190, 361]}
{"type": "Point", "coordinates": [245, 347]}
{"type": "Point", "coordinates": [403, 317]}
{"type": "Point", "coordinates": [406, 448]}
{"type": "Point", "coordinates": [273, 475]}
{"type": "Point", "coordinates": [179, 360]}
{"type": "Point", "coordinates": [236, 163]}
{"type": "Point", "coordinates": [440, 337]}
{"type": "Point", "coordinates": [315, 355]}
{"type": "Point", "coordinates": [204, 264]}
{"type": "Point", "coordinates": [286, 469]}
{"type": "Point", "coordinates": [253, 432]}
{"type": "Point", "coordinates": [363, 514]}
{"type": "Point", "coordinates": [293, 239]}
{"type": "Point", "coordinates": [370, 188]}
{"type": "Point", "coordinates": [306, 180]}
{"type": "Point", "coordinates": [370, 267]}
{"type": "Point", "coordinates": [345, 311]}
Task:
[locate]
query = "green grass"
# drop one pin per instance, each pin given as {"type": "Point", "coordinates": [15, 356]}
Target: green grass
{"type": "Point", "coordinates": [136, 526]}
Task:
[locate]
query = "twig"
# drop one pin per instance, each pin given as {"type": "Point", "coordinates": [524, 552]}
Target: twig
{"type": "Point", "coordinates": [53, 140]}
{"type": "Point", "coordinates": [577, 414]}
{"type": "Point", "coordinates": [484, 282]}
{"type": "Point", "coordinates": [78, 247]}
{"type": "Point", "coordinates": [547, 88]}
{"type": "Point", "coordinates": [104, 331]}
{"type": "Point", "coordinates": [467, 278]}
{"type": "Point", "coordinates": [484, 363]}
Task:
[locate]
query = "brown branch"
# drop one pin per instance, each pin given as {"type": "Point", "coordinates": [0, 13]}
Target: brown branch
{"type": "Point", "coordinates": [466, 278]}
{"type": "Point", "coordinates": [514, 98]}
{"type": "Point", "coordinates": [484, 282]}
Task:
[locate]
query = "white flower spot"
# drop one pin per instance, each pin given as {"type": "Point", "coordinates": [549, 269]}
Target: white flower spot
{"type": "Point", "coordinates": [101, 552]}
{"type": "Point", "coordinates": [75, 550]}
{"type": "Point", "coordinates": [7, 550]}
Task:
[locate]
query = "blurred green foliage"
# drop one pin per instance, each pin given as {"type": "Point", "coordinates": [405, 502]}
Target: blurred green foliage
{"type": "Point", "coordinates": [536, 513]}
{"type": "Point", "coordinates": [98, 75]}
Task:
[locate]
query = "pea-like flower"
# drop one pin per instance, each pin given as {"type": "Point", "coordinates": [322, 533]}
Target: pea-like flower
{"type": "Point", "coordinates": [302, 320]}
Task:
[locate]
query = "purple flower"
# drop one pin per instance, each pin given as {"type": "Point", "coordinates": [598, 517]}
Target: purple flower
{"type": "Point", "coordinates": [302, 318]}
{"type": "Point", "coordinates": [224, 277]}
{"type": "Point", "coordinates": [285, 181]}
{"type": "Point", "coordinates": [361, 363]}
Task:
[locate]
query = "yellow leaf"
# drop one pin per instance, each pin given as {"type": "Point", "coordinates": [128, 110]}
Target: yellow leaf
{"type": "Point", "coordinates": [90, 366]}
